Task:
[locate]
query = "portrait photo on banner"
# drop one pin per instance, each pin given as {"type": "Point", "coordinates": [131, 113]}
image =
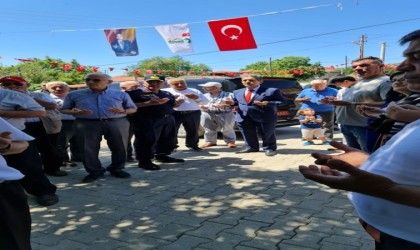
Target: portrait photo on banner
{"type": "Point", "coordinates": [123, 41]}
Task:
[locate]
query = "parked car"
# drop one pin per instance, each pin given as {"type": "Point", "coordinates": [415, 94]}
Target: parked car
{"type": "Point", "coordinates": [289, 88]}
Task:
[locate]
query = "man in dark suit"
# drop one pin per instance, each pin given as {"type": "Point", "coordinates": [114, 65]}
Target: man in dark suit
{"type": "Point", "coordinates": [257, 106]}
{"type": "Point", "coordinates": [123, 47]}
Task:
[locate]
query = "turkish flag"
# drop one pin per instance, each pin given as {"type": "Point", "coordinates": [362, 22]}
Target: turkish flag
{"type": "Point", "coordinates": [233, 34]}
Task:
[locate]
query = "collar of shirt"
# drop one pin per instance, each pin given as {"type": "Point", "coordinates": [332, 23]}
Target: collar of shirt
{"type": "Point", "coordinates": [254, 90]}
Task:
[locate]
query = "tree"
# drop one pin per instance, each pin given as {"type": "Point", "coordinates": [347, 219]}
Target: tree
{"type": "Point", "coordinates": [200, 68]}
{"type": "Point", "coordinates": [291, 66]}
{"type": "Point", "coordinates": [173, 66]}
{"type": "Point", "coordinates": [37, 71]}
{"type": "Point", "coordinates": [261, 65]}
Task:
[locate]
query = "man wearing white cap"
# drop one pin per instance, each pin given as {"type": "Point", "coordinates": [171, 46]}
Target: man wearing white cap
{"type": "Point", "coordinates": [216, 115]}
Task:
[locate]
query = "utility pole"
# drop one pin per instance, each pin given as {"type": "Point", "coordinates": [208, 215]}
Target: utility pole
{"type": "Point", "coordinates": [382, 55]}
{"type": "Point", "coordinates": [271, 71]}
{"type": "Point", "coordinates": [345, 62]}
{"type": "Point", "coordinates": [361, 44]}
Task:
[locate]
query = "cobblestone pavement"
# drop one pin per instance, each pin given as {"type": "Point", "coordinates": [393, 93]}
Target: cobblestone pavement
{"type": "Point", "coordinates": [215, 200]}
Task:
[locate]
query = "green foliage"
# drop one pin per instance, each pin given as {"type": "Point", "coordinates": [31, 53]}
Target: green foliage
{"type": "Point", "coordinates": [291, 66]}
{"type": "Point", "coordinates": [173, 66]}
{"type": "Point", "coordinates": [261, 65]}
{"type": "Point", "coordinates": [45, 70]}
{"type": "Point", "coordinates": [291, 62]}
{"type": "Point", "coordinates": [200, 68]}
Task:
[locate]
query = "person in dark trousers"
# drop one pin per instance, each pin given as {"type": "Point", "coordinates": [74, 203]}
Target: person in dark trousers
{"type": "Point", "coordinates": [188, 112]}
{"type": "Point", "coordinates": [153, 123]}
{"type": "Point", "coordinates": [100, 111]}
{"type": "Point", "coordinates": [14, 108]}
{"type": "Point", "coordinates": [257, 106]}
{"type": "Point", "coordinates": [15, 218]}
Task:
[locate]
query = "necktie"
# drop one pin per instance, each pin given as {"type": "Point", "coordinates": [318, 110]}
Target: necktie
{"type": "Point", "coordinates": [248, 95]}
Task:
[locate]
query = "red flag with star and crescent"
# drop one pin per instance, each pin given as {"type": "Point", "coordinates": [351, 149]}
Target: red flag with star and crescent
{"type": "Point", "coordinates": [233, 34]}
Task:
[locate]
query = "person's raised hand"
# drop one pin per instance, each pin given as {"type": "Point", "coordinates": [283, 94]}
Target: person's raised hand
{"type": "Point", "coordinates": [191, 96]}
{"type": "Point", "coordinates": [338, 174]}
{"type": "Point", "coordinates": [351, 155]}
{"type": "Point", "coordinates": [77, 111]}
{"type": "Point", "coordinates": [260, 103]}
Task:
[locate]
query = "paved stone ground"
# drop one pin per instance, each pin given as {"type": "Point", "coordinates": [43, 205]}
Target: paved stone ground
{"type": "Point", "coordinates": [215, 200]}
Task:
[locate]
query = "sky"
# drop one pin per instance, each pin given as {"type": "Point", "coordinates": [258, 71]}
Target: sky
{"type": "Point", "coordinates": [317, 29]}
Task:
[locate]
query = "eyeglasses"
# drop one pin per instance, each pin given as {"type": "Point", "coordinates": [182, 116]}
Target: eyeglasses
{"type": "Point", "coordinates": [6, 84]}
{"type": "Point", "coordinates": [93, 79]}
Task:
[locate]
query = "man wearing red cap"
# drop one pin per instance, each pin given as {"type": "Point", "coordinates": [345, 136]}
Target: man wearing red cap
{"type": "Point", "coordinates": [45, 140]}
{"type": "Point", "coordinates": [15, 107]}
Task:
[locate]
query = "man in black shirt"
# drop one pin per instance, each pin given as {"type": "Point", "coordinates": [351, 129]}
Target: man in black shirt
{"type": "Point", "coordinates": [154, 124]}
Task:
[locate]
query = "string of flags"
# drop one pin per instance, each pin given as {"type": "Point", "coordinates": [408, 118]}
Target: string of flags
{"type": "Point", "coordinates": [229, 34]}
{"type": "Point", "coordinates": [67, 67]}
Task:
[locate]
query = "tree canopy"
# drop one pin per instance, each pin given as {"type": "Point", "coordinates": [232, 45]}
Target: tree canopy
{"type": "Point", "coordinates": [168, 66]}
{"type": "Point", "coordinates": [291, 66]}
{"type": "Point", "coordinates": [37, 71]}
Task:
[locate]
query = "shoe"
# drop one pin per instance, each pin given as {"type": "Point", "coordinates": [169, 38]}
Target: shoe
{"type": "Point", "coordinates": [92, 177]}
{"type": "Point", "coordinates": [120, 174]}
{"type": "Point", "coordinates": [231, 145]}
{"type": "Point", "coordinates": [326, 143]}
{"type": "Point", "coordinates": [69, 164]}
{"type": "Point", "coordinates": [196, 149]}
{"type": "Point", "coordinates": [307, 143]}
{"type": "Point", "coordinates": [131, 159]}
{"type": "Point", "coordinates": [57, 173]}
{"type": "Point", "coordinates": [47, 199]}
{"type": "Point", "coordinates": [270, 152]}
{"type": "Point", "coordinates": [247, 150]}
{"type": "Point", "coordinates": [168, 159]}
{"type": "Point", "coordinates": [149, 166]}
{"type": "Point", "coordinates": [208, 144]}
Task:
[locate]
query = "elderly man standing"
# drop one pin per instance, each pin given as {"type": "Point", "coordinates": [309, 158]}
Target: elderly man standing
{"type": "Point", "coordinates": [188, 112]}
{"type": "Point", "coordinates": [154, 124]}
{"type": "Point", "coordinates": [216, 115]}
{"type": "Point", "coordinates": [45, 140]}
{"type": "Point", "coordinates": [15, 106]}
{"type": "Point", "coordinates": [100, 111]}
{"type": "Point", "coordinates": [129, 86]}
{"type": "Point", "coordinates": [311, 97]}
{"type": "Point", "coordinates": [66, 137]}
{"type": "Point", "coordinates": [257, 106]}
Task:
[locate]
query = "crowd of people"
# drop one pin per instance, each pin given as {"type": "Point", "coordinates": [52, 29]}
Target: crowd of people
{"type": "Point", "coordinates": [385, 185]}
{"type": "Point", "coordinates": [41, 131]}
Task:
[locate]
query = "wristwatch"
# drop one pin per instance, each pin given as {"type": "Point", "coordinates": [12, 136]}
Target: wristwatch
{"type": "Point", "coordinates": [4, 150]}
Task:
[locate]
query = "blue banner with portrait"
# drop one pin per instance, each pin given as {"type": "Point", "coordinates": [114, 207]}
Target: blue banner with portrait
{"type": "Point", "coordinates": [123, 41]}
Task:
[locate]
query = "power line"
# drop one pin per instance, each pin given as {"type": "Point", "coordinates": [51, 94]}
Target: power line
{"type": "Point", "coordinates": [304, 37]}
{"type": "Point", "coordinates": [340, 31]}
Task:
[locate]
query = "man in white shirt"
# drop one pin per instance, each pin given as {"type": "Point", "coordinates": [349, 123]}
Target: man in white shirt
{"type": "Point", "coordinates": [217, 115]}
{"type": "Point", "coordinates": [15, 218]}
{"type": "Point", "coordinates": [66, 137]}
{"type": "Point", "coordinates": [188, 112]}
{"type": "Point", "coordinates": [15, 107]}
